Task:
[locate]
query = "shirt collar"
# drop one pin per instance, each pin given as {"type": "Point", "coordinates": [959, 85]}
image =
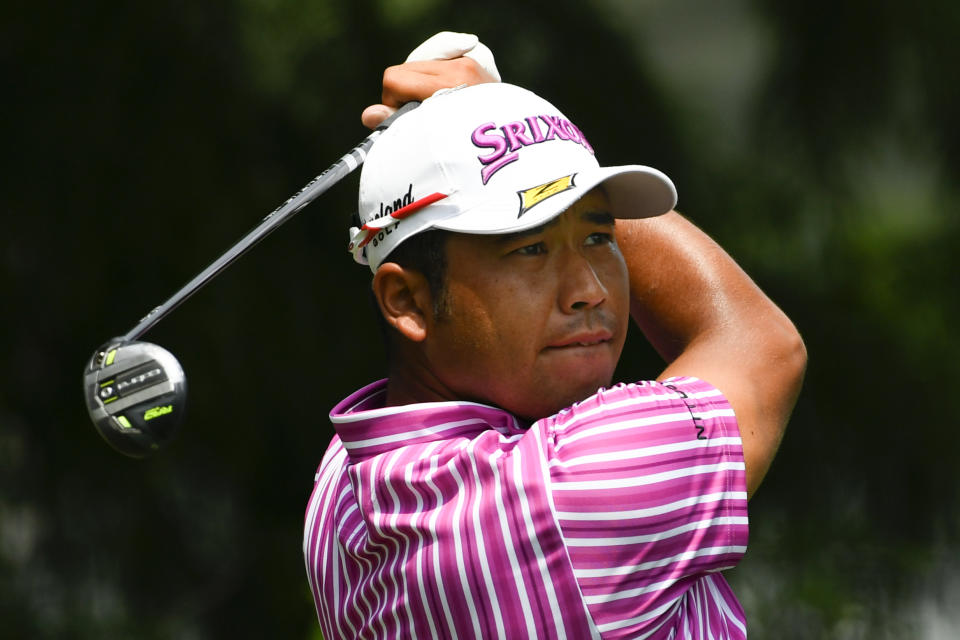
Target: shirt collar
{"type": "Point", "coordinates": [367, 428]}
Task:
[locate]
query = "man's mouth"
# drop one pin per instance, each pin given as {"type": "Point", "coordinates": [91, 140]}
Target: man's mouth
{"type": "Point", "coordinates": [590, 339]}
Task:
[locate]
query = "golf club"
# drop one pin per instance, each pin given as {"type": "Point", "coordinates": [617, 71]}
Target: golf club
{"type": "Point", "coordinates": [136, 391]}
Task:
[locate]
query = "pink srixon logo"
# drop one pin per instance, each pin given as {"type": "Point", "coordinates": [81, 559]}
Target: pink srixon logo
{"type": "Point", "coordinates": [507, 140]}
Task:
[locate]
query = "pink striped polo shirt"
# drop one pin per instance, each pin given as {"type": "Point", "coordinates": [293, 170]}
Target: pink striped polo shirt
{"type": "Point", "coordinates": [610, 519]}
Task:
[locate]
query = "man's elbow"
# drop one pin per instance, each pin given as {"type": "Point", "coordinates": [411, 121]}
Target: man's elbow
{"type": "Point", "coordinates": [780, 370]}
{"type": "Point", "coordinates": [794, 357]}
{"type": "Point", "coordinates": [785, 371]}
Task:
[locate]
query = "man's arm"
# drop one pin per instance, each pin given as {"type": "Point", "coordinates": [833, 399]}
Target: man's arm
{"type": "Point", "coordinates": [708, 319]}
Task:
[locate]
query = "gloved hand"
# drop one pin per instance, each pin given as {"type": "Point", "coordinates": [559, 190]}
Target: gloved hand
{"type": "Point", "coordinates": [448, 45]}
{"type": "Point", "coordinates": [444, 60]}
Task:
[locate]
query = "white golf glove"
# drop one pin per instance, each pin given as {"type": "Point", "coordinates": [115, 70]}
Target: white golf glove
{"type": "Point", "coordinates": [448, 45]}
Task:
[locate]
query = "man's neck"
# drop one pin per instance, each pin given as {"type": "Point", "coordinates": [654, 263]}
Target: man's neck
{"type": "Point", "coordinates": [410, 382]}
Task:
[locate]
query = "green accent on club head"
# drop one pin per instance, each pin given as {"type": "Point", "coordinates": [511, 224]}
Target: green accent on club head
{"type": "Point", "coordinates": [156, 412]}
{"type": "Point", "coordinates": [124, 422]}
{"type": "Point", "coordinates": [110, 357]}
{"type": "Point", "coordinates": [109, 400]}
{"type": "Point", "coordinates": [106, 384]}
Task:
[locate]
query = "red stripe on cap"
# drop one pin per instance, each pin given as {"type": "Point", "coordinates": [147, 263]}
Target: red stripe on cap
{"type": "Point", "coordinates": [403, 212]}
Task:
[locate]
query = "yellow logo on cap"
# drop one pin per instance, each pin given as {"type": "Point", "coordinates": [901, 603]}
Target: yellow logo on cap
{"type": "Point", "coordinates": [530, 198]}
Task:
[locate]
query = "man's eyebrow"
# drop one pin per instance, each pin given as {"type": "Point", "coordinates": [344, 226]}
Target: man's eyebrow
{"type": "Point", "coordinates": [507, 238]}
{"type": "Point", "coordinates": [595, 217]}
{"type": "Point", "coordinates": [598, 217]}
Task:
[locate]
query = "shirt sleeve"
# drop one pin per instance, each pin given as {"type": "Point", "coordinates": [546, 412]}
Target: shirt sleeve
{"type": "Point", "coordinates": [649, 492]}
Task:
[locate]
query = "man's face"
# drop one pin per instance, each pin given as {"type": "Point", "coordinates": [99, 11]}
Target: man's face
{"type": "Point", "coordinates": [537, 320]}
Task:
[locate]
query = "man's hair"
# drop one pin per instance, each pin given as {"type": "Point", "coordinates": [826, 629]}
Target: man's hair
{"type": "Point", "coordinates": [426, 253]}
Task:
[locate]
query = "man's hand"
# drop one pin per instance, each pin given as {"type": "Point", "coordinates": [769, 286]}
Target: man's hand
{"type": "Point", "coordinates": [443, 61]}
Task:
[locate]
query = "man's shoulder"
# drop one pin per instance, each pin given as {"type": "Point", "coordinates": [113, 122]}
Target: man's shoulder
{"type": "Point", "coordinates": [654, 416]}
{"type": "Point", "coordinates": [643, 396]}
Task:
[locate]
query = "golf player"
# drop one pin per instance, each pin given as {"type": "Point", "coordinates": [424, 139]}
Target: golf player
{"type": "Point", "coordinates": [499, 483]}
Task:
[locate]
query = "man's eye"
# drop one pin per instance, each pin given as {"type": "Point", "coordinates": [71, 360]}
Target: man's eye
{"type": "Point", "coordinates": [599, 238]}
{"type": "Point", "coordinates": [535, 249]}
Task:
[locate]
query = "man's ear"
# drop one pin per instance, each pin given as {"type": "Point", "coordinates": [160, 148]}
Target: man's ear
{"type": "Point", "coordinates": [404, 299]}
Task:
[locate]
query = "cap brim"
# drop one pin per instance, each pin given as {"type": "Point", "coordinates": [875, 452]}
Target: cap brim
{"type": "Point", "coordinates": [635, 191]}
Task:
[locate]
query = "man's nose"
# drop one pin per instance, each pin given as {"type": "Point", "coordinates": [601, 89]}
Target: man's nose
{"type": "Point", "coordinates": [580, 287]}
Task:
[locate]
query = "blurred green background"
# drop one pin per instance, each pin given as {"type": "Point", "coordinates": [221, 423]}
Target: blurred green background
{"type": "Point", "coordinates": [817, 141]}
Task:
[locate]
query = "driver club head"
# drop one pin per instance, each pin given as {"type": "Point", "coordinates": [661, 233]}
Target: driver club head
{"type": "Point", "coordinates": [136, 395]}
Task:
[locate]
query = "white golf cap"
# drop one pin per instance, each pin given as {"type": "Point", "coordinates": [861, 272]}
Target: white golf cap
{"type": "Point", "coordinates": [488, 159]}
